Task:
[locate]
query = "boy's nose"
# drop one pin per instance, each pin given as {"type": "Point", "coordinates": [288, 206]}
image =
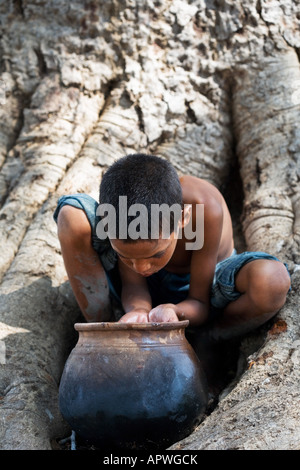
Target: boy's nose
{"type": "Point", "coordinates": [141, 266]}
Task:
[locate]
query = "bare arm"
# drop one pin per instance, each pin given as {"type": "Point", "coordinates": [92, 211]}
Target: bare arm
{"type": "Point", "coordinates": [84, 269]}
{"type": "Point", "coordinates": [135, 296]}
{"type": "Point", "coordinates": [195, 307]}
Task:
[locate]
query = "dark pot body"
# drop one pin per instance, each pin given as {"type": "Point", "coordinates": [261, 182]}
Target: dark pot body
{"type": "Point", "coordinates": [136, 386]}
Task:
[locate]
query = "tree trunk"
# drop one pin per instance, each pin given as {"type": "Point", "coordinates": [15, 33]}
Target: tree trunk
{"type": "Point", "coordinates": [211, 86]}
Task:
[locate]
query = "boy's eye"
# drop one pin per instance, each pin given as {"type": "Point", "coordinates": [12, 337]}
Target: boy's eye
{"type": "Point", "coordinates": [159, 255]}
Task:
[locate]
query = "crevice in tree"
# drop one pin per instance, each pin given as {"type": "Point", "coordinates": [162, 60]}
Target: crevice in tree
{"type": "Point", "coordinates": [258, 7]}
{"type": "Point", "coordinates": [258, 172]}
{"type": "Point", "coordinates": [190, 113]}
{"type": "Point", "coordinates": [232, 188]}
{"type": "Point", "coordinates": [41, 62]}
{"type": "Point", "coordinates": [18, 6]}
{"type": "Point", "coordinates": [234, 196]}
{"type": "Point", "coordinates": [107, 90]}
{"type": "Point", "coordinates": [140, 117]}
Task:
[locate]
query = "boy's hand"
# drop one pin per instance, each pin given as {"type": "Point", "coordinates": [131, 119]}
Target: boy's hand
{"type": "Point", "coordinates": [163, 313]}
{"type": "Point", "coordinates": [135, 316]}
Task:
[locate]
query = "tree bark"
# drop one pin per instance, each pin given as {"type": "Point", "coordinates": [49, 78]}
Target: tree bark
{"type": "Point", "coordinates": [211, 86]}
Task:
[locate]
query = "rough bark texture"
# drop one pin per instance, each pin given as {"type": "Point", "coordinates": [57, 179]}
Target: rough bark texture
{"type": "Point", "coordinates": [211, 85]}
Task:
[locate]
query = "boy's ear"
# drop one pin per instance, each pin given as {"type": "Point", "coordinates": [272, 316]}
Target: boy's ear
{"type": "Point", "coordinates": [186, 215]}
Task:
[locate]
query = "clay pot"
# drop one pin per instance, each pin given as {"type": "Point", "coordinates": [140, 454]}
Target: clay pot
{"type": "Point", "coordinates": [132, 385]}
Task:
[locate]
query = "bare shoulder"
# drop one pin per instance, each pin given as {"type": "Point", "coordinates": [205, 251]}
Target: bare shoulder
{"type": "Point", "coordinates": [198, 191]}
{"type": "Point", "coordinates": [217, 219]}
{"type": "Point", "coordinates": [72, 221]}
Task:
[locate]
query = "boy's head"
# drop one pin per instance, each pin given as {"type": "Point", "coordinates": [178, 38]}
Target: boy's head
{"type": "Point", "coordinates": [139, 184]}
{"type": "Point", "coordinates": [137, 187]}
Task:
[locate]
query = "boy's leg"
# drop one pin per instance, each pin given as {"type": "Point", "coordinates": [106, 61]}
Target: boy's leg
{"type": "Point", "coordinates": [86, 274]}
{"type": "Point", "coordinates": [263, 285]}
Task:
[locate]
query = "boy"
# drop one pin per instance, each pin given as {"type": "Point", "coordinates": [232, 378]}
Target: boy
{"type": "Point", "coordinates": [161, 279]}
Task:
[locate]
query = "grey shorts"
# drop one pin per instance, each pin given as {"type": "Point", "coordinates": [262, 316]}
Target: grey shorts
{"type": "Point", "coordinates": [164, 287]}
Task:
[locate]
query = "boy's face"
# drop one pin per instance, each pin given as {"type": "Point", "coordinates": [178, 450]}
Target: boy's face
{"type": "Point", "coordinates": [145, 257]}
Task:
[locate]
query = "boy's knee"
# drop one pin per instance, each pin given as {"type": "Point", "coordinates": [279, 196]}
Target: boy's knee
{"type": "Point", "coordinates": [269, 283]}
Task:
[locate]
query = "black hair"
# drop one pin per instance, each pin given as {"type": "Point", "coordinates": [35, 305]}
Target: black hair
{"type": "Point", "coordinates": [143, 179]}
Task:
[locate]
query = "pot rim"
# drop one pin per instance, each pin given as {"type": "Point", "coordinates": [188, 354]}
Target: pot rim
{"type": "Point", "coordinates": [111, 326]}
